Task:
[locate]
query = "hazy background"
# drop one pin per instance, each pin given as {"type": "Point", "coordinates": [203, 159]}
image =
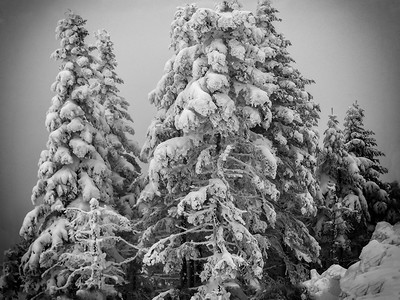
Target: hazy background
{"type": "Point", "coordinates": [351, 48]}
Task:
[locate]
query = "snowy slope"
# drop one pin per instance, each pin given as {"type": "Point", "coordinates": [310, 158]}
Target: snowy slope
{"type": "Point", "coordinates": [375, 276]}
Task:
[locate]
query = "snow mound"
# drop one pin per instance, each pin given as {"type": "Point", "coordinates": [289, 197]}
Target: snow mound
{"type": "Point", "coordinates": [327, 285]}
{"type": "Point", "coordinates": [375, 276]}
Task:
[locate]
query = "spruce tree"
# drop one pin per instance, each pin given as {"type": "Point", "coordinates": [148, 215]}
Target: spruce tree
{"type": "Point", "coordinates": [122, 150]}
{"type": "Point", "coordinates": [73, 242]}
{"type": "Point", "coordinates": [231, 157]}
{"type": "Point", "coordinates": [361, 143]}
{"type": "Point", "coordinates": [332, 159]}
{"type": "Point", "coordinates": [344, 211]}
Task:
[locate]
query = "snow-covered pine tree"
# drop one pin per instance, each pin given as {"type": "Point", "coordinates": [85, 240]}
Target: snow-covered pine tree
{"type": "Point", "coordinates": [343, 201]}
{"type": "Point", "coordinates": [231, 155]}
{"type": "Point", "coordinates": [122, 150]}
{"type": "Point", "coordinates": [295, 138]}
{"type": "Point", "coordinates": [73, 170]}
{"type": "Point", "coordinates": [332, 159]}
{"type": "Point", "coordinates": [361, 143]}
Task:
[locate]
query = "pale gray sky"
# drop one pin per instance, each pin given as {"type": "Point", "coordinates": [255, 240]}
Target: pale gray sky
{"type": "Point", "coordinates": [351, 48]}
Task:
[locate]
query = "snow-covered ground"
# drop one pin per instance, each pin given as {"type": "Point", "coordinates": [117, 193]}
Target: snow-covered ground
{"type": "Point", "coordinates": [375, 276]}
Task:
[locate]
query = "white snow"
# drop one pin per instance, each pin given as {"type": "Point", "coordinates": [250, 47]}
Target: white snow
{"type": "Point", "coordinates": [70, 110]}
{"type": "Point", "coordinates": [109, 81]}
{"type": "Point", "coordinates": [80, 93]}
{"type": "Point", "coordinates": [261, 79]}
{"type": "Point", "coordinates": [216, 82]}
{"type": "Point", "coordinates": [185, 58]}
{"type": "Point", "coordinates": [352, 202]}
{"type": "Point", "coordinates": [308, 205]}
{"type": "Point", "coordinates": [75, 125]}
{"type": "Point", "coordinates": [64, 176]}
{"type": "Point", "coordinates": [194, 200]}
{"type": "Point", "coordinates": [226, 104]}
{"type": "Point", "coordinates": [217, 61]}
{"type": "Point", "coordinates": [225, 21]}
{"type": "Point", "coordinates": [286, 114]}
{"type": "Point", "coordinates": [52, 121]}
{"type": "Point", "coordinates": [89, 189]}
{"type": "Point", "coordinates": [114, 141]}
{"type": "Point", "coordinates": [257, 97]}
{"type": "Point", "coordinates": [80, 148]}
{"type": "Point", "coordinates": [204, 106]}
{"type": "Point", "coordinates": [218, 45]}
{"type": "Point", "coordinates": [30, 220]}
{"type": "Point", "coordinates": [287, 84]}
{"type": "Point", "coordinates": [186, 120]}
{"type": "Point", "coordinates": [237, 49]}
{"type": "Point", "coordinates": [298, 136]}
{"type": "Point", "coordinates": [196, 99]}
{"type": "Point", "coordinates": [264, 147]}
{"type": "Point", "coordinates": [82, 61]}
{"type": "Point", "coordinates": [54, 235]}
{"type": "Point", "coordinates": [325, 286]}
{"type": "Point", "coordinates": [200, 67]}
{"type": "Point", "coordinates": [87, 72]}
{"type": "Point", "coordinates": [255, 53]}
{"type": "Point", "coordinates": [204, 159]}
{"type": "Point", "coordinates": [269, 52]}
{"type": "Point", "coordinates": [64, 79]}
{"type": "Point", "coordinates": [252, 116]}
{"type": "Point", "coordinates": [375, 276]}
{"type": "Point", "coordinates": [46, 169]}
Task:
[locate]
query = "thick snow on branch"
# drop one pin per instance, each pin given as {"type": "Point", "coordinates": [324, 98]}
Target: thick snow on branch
{"type": "Point", "coordinates": [267, 155]}
{"type": "Point", "coordinates": [89, 189]}
{"type": "Point", "coordinates": [63, 156]}
{"type": "Point", "coordinates": [64, 176]}
{"type": "Point", "coordinates": [80, 147]}
{"type": "Point", "coordinates": [53, 236]}
{"type": "Point", "coordinates": [31, 219]}
{"type": "Point", "coordinates": [187, 121]}
{"type": "Point", "coordinates": [70, 111]}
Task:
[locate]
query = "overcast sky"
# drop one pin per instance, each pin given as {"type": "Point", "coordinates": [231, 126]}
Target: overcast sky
{"type": "Point", "coordinates": [351, 48]}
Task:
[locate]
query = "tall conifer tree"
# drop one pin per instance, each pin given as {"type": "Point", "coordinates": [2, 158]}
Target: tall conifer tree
{"type": "Point", "coordinates": [73, 229]}
{"type": "Point", "coordinates": [231, 155]}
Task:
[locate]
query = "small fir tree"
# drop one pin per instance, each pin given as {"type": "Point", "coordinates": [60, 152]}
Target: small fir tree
{"type": "Point", "coordinates": [344, 210]}
{"type": "Point", "coordinates": [361, 143]}
{"type": "Point", "coordinates": [232, 117]}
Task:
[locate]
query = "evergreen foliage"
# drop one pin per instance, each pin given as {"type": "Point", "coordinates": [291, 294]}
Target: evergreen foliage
{"type": "Point", "coordinates": [231, 156]}
{"type": "Point", "coordinates": [235, 175]}
{"type": "Point", "coordinates": [121, 148]}
{"type": "Point", "coordinates": [344, 211]}
{"type": "Point", "coordinates": [85, 126]}
{"type": "Point", "coordinates": [361, 143]}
